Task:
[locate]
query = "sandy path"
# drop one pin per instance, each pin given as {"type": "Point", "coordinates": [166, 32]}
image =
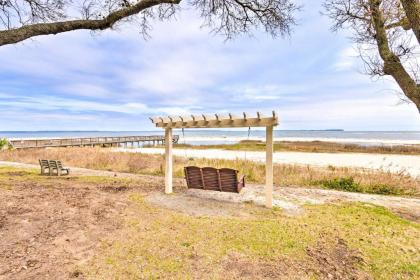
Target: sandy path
{"type": "Point", "coordinates": [78, 171]}
{"type": "Point", "coordinates": [291, 199]}
{"type": "Point", "coordinates": [393, 163]}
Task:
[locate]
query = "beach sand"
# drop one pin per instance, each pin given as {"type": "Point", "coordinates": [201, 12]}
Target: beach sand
{"type": "Point", "coordinates": [408, 164]}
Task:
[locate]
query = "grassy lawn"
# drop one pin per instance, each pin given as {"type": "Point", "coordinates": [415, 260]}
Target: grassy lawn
{"type": "Point", "coordinates": [348, 240]}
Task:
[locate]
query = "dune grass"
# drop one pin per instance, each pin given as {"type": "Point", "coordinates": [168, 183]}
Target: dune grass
{"type": "Point", "coordinates": [312, 147]}
{"type": "Point", "coordinates": [348, 179]}
{"type": "Point", "coordinates": [158, 243]}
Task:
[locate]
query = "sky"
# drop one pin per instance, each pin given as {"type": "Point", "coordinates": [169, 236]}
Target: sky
{"type": "Point", "coordinates": [116, 80]}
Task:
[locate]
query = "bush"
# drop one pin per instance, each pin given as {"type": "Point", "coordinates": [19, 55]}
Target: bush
{"type": "Point", "coordinates": [4, 143]}
{"type": "Point", "coordinates": [348, 184]}
{"type": "Point", "coordinates": [343, 184]}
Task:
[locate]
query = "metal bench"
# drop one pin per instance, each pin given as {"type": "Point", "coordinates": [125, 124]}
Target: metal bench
{"type": "Point", "coordinates": [45, 166]}
{"type": "Point", "coordinates": [209, 178]}
{"type": "Point", "coordinates": [57, 168]}
{"type": "Point", "coordinates": [53, 167]}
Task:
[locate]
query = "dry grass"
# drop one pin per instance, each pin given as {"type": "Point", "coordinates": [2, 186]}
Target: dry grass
{"type": "Point", "coordinates": [313, 147]}
{"type": "Point", "coordinates": [285, 175]}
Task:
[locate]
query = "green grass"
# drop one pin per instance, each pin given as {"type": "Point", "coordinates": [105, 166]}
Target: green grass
{"type": "Point", "coordinates": [161, 244]}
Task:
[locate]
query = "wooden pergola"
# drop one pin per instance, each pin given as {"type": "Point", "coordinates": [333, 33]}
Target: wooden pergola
{"type": "Point", "coordinates": [220, 121]}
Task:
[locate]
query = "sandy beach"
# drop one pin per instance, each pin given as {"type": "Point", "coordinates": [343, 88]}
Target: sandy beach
{"type": "Point", "coordinates": [393, 163]}
{"type": "Point", "coordinates": [361, 141]}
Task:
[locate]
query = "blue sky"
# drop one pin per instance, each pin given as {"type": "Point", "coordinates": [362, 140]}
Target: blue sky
{"type": "Point", "coordinates": [115, 80]}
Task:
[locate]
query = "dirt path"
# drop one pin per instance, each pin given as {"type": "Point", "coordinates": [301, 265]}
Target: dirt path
{"type": "Point", "coordinates": [288, 198]}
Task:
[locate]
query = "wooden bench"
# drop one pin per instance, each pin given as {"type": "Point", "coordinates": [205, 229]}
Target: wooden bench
{"type": "Point", "coordinates": [54, 167]}
{"type": "Point", "coordinates": [209, 178]}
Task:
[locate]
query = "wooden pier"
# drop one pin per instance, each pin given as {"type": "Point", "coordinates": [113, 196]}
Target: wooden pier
{"type": "Point", "coordinates": [125, 141]}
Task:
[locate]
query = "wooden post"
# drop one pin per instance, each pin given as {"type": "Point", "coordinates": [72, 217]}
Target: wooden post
{"type": "Point", "coordinates": [269, 167]}
{"type": "Point", "coordinates": [168, 157]}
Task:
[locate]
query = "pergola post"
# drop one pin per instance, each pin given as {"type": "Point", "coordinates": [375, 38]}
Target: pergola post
{"type": "Point", "coordinates": [269, 167]}
{"type": "Point", "coordinates": [168, 158]}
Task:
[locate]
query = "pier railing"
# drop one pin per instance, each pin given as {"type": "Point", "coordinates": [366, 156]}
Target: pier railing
{"type": "Point", "coordinates": [89, 141]}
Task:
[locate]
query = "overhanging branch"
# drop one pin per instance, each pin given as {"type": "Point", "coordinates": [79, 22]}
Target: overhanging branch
{"type": "Point", "coordinates": [25, 32]}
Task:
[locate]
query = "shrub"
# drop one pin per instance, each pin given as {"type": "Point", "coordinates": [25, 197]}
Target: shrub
{"type": "Point", "coordinates": [344, 184]}
{"type": "Point", "coordinates": [348, 184]}
{"type": "Point", "coordinates": [4, 143]}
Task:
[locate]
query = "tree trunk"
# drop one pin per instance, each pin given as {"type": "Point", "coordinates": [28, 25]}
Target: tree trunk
{"type": "Point", "coordinates": [412, 11]}
{"type": "Point", "coordinates": [392, 63]}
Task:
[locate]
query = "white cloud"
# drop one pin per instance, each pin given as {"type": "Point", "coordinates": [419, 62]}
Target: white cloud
{"type": "Point", "coordinates": [55, 103]}
{"type": "Point", "coordinates": [85, 89]}
{"type": "Point", "coordinates": [347, 59]}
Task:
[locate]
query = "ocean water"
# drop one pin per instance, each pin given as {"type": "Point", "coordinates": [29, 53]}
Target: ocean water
{"type": "Point", "coordinates": [213, 136]}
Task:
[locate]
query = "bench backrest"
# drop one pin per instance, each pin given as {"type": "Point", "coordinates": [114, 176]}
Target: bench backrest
{"type": "Point", "coordinates": [53, 164]}
{"type": "Point", "coordinates": [59, 165]}
{"type": "Point", "coordinates": [194, 177]}
{"type": "Point", "coordinates": [209, 178]}
{"type": "Point", "coordinates": [229, 179]}
{"type": "Point", "coordinates": [44, 163]}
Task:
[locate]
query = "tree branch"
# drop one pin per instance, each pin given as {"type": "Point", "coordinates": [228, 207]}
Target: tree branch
{"type": "Point", "coordinates": [25, 32]}
{"type": "Point", "coordinates": [392, 63]}
{"type": "Point", "coordinates": [401, 23]}
{"type": "Point", "coordinates": [412, 11]}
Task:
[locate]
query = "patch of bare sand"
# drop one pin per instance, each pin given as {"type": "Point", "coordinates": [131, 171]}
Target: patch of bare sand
{"type": "Point", "coordinates": [196, 206]}
{"type": "Point", "coordinates": [337, 261]}
{"type": "Point", "coordinates": [213, 203]}
{"type": "Point", "coordinates": [47, 229]}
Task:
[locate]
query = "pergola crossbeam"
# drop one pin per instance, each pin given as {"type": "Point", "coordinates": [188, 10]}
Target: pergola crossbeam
{"type": "Point", "coordinates": [216, 121]}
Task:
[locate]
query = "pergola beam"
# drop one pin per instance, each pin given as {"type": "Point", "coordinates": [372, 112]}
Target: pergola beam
{"type": "Point", "coordinates": [215, 121]}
